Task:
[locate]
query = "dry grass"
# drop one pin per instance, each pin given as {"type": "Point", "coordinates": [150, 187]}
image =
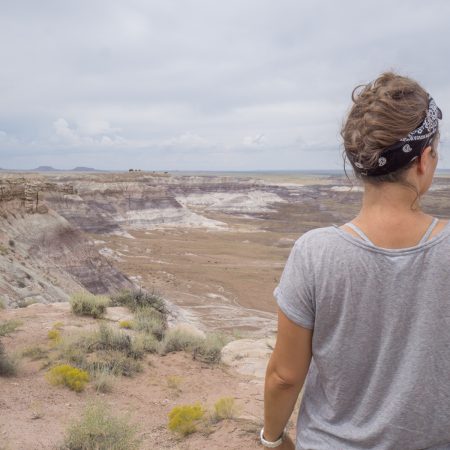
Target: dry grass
{"type": "Point", "coordinates": [85, 304]}
{"type": "Point", "coordinates": [8, 365]}
{"type": "Point", "coordinates": [98, 429]}
{"type": "Point", "coordinates": [225, 408]}
{"type": "Point", "coordinates": [174, 382]}
{"type": "Point", "coordinates": [34, 352]}
{"type": "Point", "coordinates": [140, 299]}
{"type": "Point", "coordinates": [8, 326]}
{"type": "Point", "coordinates": [103, 381]}
{"type": "Point", "coordinates": [106, 349]}
{"type": "Point", "coordinates": [149, 320]}
{"type": "Point", "coordinates": [177, 340]}
{"type": "Point", "coordinates": [209, 350]}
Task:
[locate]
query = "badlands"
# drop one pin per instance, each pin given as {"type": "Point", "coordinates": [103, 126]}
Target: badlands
{"type": "Point", "coordinates": [212, 245]}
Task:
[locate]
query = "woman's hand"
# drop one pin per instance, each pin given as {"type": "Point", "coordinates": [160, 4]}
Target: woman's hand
{"type": "Point", "coordinates": [287, 444]}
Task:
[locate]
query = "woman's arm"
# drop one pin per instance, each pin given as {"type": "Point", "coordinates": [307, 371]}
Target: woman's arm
{"type": "Point", "coordinates": [285, 374]}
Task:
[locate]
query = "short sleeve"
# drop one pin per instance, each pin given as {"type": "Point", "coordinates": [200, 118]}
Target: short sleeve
{"type": "Point", "coordinates": [294, 291]}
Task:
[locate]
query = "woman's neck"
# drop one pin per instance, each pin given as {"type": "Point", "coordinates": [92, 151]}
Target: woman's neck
{"type": "Point", "coordinates": [389, 203]}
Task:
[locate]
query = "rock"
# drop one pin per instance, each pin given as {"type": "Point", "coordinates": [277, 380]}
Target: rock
{"type": "Point", "coordinates": [61, 306]}
{"type": "Point", "coordinates": [189, 328]}
{"type": "Point", "coordinates": [42, 209]}
{"type": "Point", "coordinates": [118, 313]}
{"type": "Point", "coordinates": [249, 356]}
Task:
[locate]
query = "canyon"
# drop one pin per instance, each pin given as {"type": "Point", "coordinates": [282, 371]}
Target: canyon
{"type": "Point", "coordinates": [213, 246]}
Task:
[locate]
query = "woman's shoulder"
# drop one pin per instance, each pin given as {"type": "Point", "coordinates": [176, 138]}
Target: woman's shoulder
{"type": "Point", "coordinates": [316, 236]}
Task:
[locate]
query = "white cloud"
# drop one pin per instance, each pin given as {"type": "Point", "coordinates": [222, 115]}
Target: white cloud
{"type": "Point", "coordinates": [254, 141]}
{"type": "Point", "coordinates": [91, 134]}
{"type": "Point", "coordinates": [187, 140]}
{"type": "Point", "coordinates": [131, 75]}
{"type": "Point", "coordinates": [7, 140]}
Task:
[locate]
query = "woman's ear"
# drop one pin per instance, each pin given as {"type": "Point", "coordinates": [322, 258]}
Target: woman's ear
{"type": "Point", "coordinates": [425, 159]}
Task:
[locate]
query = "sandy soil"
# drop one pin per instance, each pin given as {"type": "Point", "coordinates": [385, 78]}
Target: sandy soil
{"type": "Point", "coordinates": [34, 414]}
{"type": "Point", "coordinates": [223, 279]}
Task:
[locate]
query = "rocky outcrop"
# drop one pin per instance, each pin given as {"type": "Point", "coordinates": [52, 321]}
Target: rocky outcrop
{"type": "Point", "coordinates": [249, 356]}
{"type": "Point", "coordinates": [111, 204]}
{"type": "Point", "coordinates": [43, 257]}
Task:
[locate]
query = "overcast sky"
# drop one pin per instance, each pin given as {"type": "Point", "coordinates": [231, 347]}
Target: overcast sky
{"type": "Point", "coordinates": [204, 84]}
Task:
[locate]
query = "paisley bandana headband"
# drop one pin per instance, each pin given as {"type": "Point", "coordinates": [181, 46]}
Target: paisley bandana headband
{"type": "Point", "coordinates": [406, 149]}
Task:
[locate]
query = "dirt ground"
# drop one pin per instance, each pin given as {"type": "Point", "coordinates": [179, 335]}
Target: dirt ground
{"type": "Point", "coordinates": [35, 415]}
{"type": "Point", "coordinates": [224, 279]}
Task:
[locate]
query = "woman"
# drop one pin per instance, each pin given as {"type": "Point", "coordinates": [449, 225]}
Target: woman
{"type": "Point", "coordinates": [364, 308]}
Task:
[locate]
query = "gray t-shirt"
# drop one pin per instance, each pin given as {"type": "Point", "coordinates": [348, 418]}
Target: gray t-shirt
{"type": "Point", "coordinates": [380, 373]}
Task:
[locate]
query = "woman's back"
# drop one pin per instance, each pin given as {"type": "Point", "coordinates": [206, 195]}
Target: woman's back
{"type": "Point", "coordinates": [396, 233]}
{"type": "Point", "coordinates": [368, 302]}
{"type": "Point", "coordinates": [381, 354]}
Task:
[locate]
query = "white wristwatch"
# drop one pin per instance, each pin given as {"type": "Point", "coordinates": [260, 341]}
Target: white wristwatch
{"type": "Point", "coordinates": [270, 444]}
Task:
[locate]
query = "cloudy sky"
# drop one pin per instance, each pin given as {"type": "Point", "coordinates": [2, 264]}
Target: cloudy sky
{"type": "Point", "coordinates": [204, 84]}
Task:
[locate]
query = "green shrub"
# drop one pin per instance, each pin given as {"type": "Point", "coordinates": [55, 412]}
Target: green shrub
{"type": "Point", "coordinates": [184, 419]}
{"type": "Point", "coordinates": [113, 362]}
{"type": "Point", "coordinates": [98, 429]}
{"type": "Point", "coordinates": [2, 303]}
{"type": "Point", "coordinates": [177, 340]}
{"type": "Point", "coordinates": [69, 376]}
{"type": "Point", "coordinates": [34, 352]}
{"type": "Point", "coordinates": [109, 339]}
{"type": "Point", "coordinates": [104, 350]}
{"type": "Point", "coordinates": [174, 382]}
{"type": "Point", "coordinates": [8, 326]}
{"type": "Point", "coordinates": [140, 299]}
{"type": "Point", "coordinates": [150, 321]}
{"type": "Point", "coordinates": [54, 335]}
{"type": "Point", "coordinates": [8, 365]}
{"type": "Point", "coordinates": [103, 381]}
{"type": "Point", "coordinates": [225, 408]}
{"type": "Point", "coordinates": [86, 304]}
{"type": "Point", "coordinates": [127, 324]}
{"type": "Point", "coordinates": [147, 342]}
{"type": "Point", "coordinates": [73, 349]}
{"type": "Point", "coordinates": [209, 350]}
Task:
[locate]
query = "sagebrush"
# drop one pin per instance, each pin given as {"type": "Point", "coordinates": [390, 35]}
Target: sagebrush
{"type": "Point", "coordinates": [85, 304]}
{"type": "Point", "coordinates": [151, 321]}
{"type": "Point", "coordinates": [225, 408]}
{"type": "Point", "coordinates": [8, 326]}
{"type": "Point", "coordinates": [98, 429]}
{"type": "Point", "coordinates": [8, 365]}
{"type": "Point", "coordinates": [140, 299]}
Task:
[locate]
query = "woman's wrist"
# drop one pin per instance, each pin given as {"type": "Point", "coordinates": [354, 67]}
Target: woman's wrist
{"type": "Point", "coordinates": [270, 442]}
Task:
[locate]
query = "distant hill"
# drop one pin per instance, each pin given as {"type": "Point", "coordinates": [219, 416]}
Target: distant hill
{"type": "Point", "coordinates": [76, 169]}
{"type": "Point", "coordinates": [44, 169]}
{"type": "Point", "coordinates": [85, 169]}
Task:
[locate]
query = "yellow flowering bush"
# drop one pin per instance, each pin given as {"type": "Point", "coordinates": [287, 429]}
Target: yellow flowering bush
{"type": "Point", "coordinates": [183, 419]}
{"type": "Point", "coordinates": [67, 375]}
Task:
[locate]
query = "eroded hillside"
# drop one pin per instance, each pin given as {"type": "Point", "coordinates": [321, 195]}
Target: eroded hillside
{"type": "Point", "coordinates": [43, 257]}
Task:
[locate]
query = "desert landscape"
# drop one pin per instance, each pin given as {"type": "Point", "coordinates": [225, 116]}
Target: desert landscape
{"type": "Point", "coordinates": [211, 246]}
